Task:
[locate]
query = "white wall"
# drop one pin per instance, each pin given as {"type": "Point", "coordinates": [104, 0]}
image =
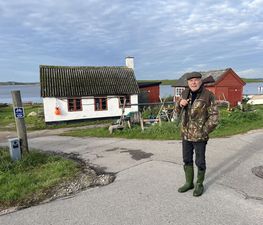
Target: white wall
{"type": "Point", "coordinates": [88, 111]}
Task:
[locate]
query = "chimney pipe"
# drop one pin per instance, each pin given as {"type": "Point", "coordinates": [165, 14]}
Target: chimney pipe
{"type": "Point", "coordinates": [130, 62]}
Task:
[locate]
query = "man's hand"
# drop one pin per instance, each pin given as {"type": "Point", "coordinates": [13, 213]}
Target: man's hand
{"type": "Point", "coordinates": [184, 102]}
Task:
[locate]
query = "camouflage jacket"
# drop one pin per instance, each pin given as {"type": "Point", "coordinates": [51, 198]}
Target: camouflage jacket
{"type": "Point", "coordinates": [200, 118]}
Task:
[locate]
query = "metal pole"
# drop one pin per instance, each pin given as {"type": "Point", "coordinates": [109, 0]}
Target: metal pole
{"type": "Point", "coordinates": [20, 122]}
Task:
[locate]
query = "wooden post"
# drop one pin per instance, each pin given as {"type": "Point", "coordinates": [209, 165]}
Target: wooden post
{"type": "Point", "coordinates": [228, 106]}
{"type": "Point", "coordinates": [122, 111]}
{"type": "Point", "coordinates": [20, 121]}
{"type": "Point", "coordinates": [141, 122]}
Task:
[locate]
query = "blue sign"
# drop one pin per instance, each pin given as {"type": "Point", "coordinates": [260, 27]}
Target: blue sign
{"type": "Point", "coordinates": [19, 112]}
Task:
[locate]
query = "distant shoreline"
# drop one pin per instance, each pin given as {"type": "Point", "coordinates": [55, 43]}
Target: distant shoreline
{"type": "Point", "coordinates": [164, 82]}
{"type": "Point", "coordinates": [18, 83]}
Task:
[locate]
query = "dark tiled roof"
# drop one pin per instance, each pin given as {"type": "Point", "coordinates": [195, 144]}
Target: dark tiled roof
{"type": "Point", "coordinates": [148, 84]}
{"type": "Point", "coordinates": [216, 74]}
{"type": "Point", "coordinates": [70, 81]}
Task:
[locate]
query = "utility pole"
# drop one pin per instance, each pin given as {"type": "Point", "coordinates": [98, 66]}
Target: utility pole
{"type": "Point", "coordinates": [20, 121]}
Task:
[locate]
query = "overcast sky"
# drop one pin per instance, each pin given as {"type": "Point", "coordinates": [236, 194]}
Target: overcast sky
{"type": "Point", "coordinates": [166, 37]}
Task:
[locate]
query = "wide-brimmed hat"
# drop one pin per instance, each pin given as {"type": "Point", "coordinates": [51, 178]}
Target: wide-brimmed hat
{"type": "Point", "coordinates": [193, 75]}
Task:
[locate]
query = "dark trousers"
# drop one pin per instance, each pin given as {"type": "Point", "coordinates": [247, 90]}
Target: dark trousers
{"type": "Point", "coordinates": [188, 152]}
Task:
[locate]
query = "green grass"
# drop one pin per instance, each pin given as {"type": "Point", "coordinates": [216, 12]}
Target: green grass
{"type": "Point", "coordinates": [255, 80]}
{"type": "Point", "coordinates": [230, 123]}
{"type": "Point", "coordinates": [236, 122]}
{"type": "Point", "coordinates": [31, 178]}
{"type": "Point", "coordinates": [7, 120]}
{"type": "Point", "coordinates": [168, 131]}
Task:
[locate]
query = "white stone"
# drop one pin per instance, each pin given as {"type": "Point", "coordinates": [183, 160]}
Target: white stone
{"type": "Point", "coordinates": [32, 114]}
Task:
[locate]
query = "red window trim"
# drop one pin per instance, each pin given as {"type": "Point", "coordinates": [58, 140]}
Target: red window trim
{"type": "Point", "coordinates": [100, 98]}
{"type": "Point", "coordinates": [75, 105]}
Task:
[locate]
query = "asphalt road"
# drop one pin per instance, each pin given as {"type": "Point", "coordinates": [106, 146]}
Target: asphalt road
{"type": "Point", "coordinates": [148, 174]}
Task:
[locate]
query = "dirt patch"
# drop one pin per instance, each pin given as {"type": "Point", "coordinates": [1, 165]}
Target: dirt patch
{"type": "Point", "coordinates": [87, 177]}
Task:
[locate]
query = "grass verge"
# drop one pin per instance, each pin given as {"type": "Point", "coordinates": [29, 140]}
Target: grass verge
{"type": "Point", "coordinates": [7, 120]}
{"type": "Point", "coordinates": [230, 123]}
{"type": "Point", "coordinates": [31, 179]}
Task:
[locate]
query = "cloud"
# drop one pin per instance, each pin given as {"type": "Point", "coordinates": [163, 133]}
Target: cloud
{"type": "Point", "coordinates": [256, 4]}
{"type": "Point", "coordinates": [165, 37]}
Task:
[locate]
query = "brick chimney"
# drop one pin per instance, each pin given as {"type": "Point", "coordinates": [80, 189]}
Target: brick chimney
{"type": "Point", "coordinates": [130, 62]}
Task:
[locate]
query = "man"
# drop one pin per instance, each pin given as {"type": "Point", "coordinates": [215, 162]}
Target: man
{"type": "Point", "coordinates": [199, 118]}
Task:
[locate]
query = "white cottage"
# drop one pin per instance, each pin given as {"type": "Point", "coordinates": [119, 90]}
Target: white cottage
{"type": "Point", "coordinates": [84, 92]}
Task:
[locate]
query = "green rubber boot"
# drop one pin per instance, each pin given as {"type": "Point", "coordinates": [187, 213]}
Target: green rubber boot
{"type": "Point", "coordinates": [199, 188]}
{"type": "Point", "coordinates": [189, 177]}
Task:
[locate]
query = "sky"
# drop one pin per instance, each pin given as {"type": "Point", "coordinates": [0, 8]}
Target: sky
{"type": "Point", "coordinates": [166, 37]}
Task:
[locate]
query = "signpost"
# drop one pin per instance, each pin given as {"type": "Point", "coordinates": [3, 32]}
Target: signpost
{"type": "Point", "coordinates": [20, 121]}
{"type": "Point", "coordinates": [19, 112]}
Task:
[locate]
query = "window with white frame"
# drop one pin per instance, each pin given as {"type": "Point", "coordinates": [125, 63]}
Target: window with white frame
{"type": "Point", "coordinates": [178, 91]}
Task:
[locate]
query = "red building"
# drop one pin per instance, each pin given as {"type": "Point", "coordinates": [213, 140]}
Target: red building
{"type": "Point", "coordinates": [149, 92]}
{"type": "Point", "coordinates": [227, 85]}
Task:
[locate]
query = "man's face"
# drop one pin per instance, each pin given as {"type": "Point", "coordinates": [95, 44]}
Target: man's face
{"type": "Point", "coordinates": [194, 83]}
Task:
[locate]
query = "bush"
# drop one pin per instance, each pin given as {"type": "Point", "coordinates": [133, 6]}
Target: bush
{"type": "Point", "coordinates": [150, 112]}
{"type": "Point", "coordinates": [238, 116]}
